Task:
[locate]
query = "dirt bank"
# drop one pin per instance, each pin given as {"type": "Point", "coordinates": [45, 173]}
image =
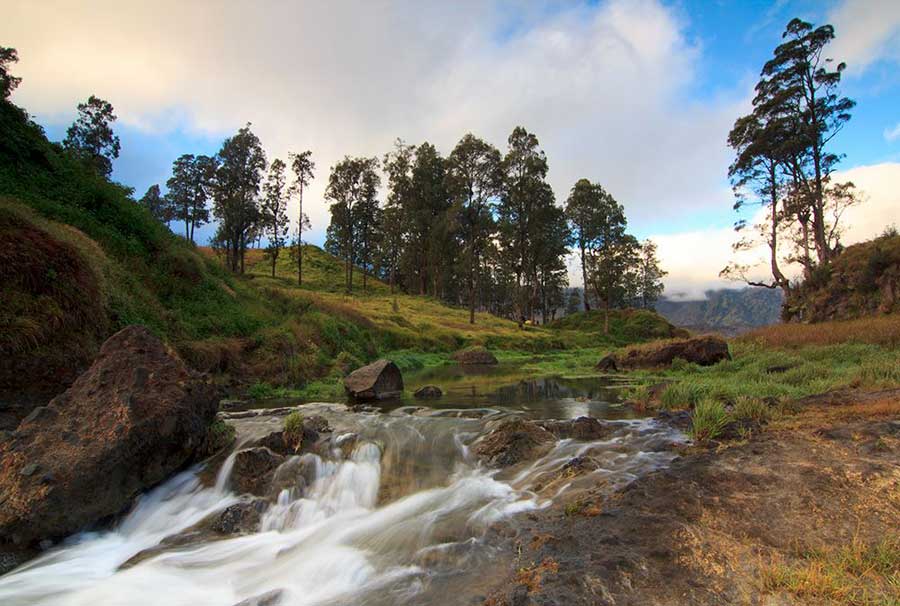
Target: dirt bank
{"type": "Point", "coordinates": [805, 512]}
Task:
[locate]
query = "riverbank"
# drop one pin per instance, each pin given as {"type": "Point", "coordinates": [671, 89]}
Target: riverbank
{"type": "Point", "coordinates": [805, 512]}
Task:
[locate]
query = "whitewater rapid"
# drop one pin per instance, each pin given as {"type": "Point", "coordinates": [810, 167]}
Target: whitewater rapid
{"type": "Point", "coordinates": [329, 538]}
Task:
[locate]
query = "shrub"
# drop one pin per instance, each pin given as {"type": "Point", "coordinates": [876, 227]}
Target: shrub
{"type": "Point", "coordinates": [261, 390]}
{"type": "Point", "coordinates": [293, 430]}
{"type": "Point", "coordinates": [708, 420]}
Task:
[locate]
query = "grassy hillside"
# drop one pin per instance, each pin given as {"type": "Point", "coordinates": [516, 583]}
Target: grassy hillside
{"type": "Point", "coordinates": [863, 280]}
{"type": "Point", "coordinates": [80, 259]}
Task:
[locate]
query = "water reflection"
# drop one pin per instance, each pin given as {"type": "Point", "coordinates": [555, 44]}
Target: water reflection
{"type": "Point", "coordinates": [507, 387]}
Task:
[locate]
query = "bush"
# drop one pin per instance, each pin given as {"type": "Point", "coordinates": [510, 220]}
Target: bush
{"type": "Point", "coordinates": [708, 420]}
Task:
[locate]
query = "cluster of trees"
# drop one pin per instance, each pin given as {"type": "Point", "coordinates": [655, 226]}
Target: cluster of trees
{"type": "Point", "coordinates": [478, 228]}
{"type": "Point", "coordinates": [783, 162]}
{"type": "Point", "coordinates": [481, 228]}
{"type": "Point", "coordinates": [248, 198]}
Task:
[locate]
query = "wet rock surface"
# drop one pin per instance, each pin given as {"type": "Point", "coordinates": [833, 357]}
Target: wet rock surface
{"type": "Point", "coordinates": [704, 530]}
{"type": "Point", "coordinates": [253, 470]}
{"type": "Point", "coordinates": [513, 441]}
{"type": "Point", "coordinates": [582, 428]}
{"type": "Point", "coordinates": [137, 415]}
{"type": "Point", "coordinates": [376, 381]}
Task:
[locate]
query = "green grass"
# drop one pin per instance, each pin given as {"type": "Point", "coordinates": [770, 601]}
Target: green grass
{"type": "Point", "coordinates": [812, 370]}
{"type": "Point", "coordinates": [708, 420]}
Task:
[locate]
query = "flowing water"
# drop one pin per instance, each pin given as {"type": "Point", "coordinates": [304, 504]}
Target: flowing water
{"type": "Point", "coordinates": [396, 511]}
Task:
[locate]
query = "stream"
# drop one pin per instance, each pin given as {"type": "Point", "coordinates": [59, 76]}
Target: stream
{"type": "Point", "coordinates": [396, 511]}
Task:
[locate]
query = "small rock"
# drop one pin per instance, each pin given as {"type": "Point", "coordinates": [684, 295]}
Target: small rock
{"type": "Point", "coordinates": [240, 518]}
{"type": "Point", "coordinates": [29, 470]}
{"type": "Point", "coordinates": [429, 392]}
{"type": "Point", "coordinates": [474, 357]}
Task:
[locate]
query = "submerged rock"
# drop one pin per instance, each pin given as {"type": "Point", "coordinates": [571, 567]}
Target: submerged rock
{"type": "Point", "coordinates": [429, 392]}
{"type": "Point", "coordinates": [474, 356]}
{"type": "Point", "coordinates": [704, 351]}
{"type": "Point", "coordinates": [136, 416]}
{"type": "Point", "coordinates": [513, 441]}
{"type": "Point", "coordinates": [376, 381]}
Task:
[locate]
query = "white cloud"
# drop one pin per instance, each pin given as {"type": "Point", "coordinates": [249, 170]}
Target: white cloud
{"type": "Point", "coordinates": [866, 30]}
{"type": "Point", "coordinates": [603, 87]}
{"type": "Point", "coordinates": [892, 134]}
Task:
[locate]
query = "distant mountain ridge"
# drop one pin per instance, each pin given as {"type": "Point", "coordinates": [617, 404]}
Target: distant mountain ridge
{"type": "Point", "coordinates": [725, 310]}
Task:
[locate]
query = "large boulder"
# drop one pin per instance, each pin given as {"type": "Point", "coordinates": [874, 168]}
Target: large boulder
{"type": "Point", "coordinates": [136, 416]}
{"type": "Point", "coordinates": [476, 356]}
{"type": "Point", "coordinates": [512, 441]}
{"type": "Point", "coordinates": [376, 381]}
{"type": "Point", "coordinates": [704, 351]}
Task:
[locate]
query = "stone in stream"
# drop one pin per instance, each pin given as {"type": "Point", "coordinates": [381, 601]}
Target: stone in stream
{"type": "Point", "coordinates": [429, 392]}
{"type": "Point", "coordinates": [475, 356]}
{"type": "Point", "coordinates": [582, 428]}
{"type": "Point", "coordinates": [376, 381]}
{"type": "Point", "coordinates": [253, 470]}
{"type": "Point", "coordinates": [134, 418]}
{"type": "Point", "coordinates": [312, 429]}
{"type": "Point", "coordinates": [512, 441]}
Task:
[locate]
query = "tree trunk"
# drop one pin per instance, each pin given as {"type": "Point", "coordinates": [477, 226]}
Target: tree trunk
{"type": "Point", "coordinates": [584, 281]}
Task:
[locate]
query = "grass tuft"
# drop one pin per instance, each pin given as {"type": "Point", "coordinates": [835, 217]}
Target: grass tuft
{"type": "Point", "coordinates": [708, 420]}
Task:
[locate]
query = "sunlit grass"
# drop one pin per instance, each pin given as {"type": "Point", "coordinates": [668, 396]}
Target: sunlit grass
{"type": "Point", "coordinates": [856, 574]}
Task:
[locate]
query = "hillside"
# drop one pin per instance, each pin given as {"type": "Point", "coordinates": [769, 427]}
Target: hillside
{"type": "Point", "coordinates": [81, 260]}
{"type": "Point", "coordinates": [863, 280]}
{"type": "Point", "coordinates": [726, 310]}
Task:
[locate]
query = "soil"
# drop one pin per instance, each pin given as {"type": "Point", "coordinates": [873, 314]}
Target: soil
{"type": "Point", "coordinates": [705, 530]}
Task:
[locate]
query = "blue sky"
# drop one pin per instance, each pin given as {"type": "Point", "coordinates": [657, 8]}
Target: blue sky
{"type": "Point", "coordinates": [636, 94]}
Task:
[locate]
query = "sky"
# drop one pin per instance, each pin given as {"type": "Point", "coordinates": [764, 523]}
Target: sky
{"type": "Point", "coordinates": [638, 95]}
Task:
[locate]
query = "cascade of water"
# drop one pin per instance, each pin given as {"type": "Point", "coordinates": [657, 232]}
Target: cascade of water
{"type": "Point", "coordinates": [330, 536]}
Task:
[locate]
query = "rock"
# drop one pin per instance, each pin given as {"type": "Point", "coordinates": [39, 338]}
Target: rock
{"type": "Point", "coordinates": [240, 518]}
{"type": "Point", "coordinates": [135, 417]}
{"type": "Point", "coordinates": [779, 368]}
{"type": "Point", "coordinates": [311, 429]}
{"type": "Point", "coordinates": [582, 428]}
{"type": "Point", "coordinates": [376, 381]}
{"type": "Point", "coordinates": [253, 470]}
{"type": "Point", "coordinates": [232, 404]}
{"type": "Point", "coordinates": [513, 441]}
{"type": "Point", "coordinates": [704, 351]}
{"type": "Point", "coordinates": [474, 356]}
{"type": "Point", "coordinates": [607, 364]}
{"type": "Point", "coordinates": [429, 392]}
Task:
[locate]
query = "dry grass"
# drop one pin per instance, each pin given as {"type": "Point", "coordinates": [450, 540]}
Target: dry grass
{"type": "Point", "coordinates": [874, 330]}
{"type": "Point", "coordinates": [857, 574]}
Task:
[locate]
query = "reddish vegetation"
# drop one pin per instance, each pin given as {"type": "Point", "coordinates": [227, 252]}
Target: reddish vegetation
{"type": "Point", "coordinates": [52, 321]}
{"type": "Point", "coordinates": [876, 330]}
